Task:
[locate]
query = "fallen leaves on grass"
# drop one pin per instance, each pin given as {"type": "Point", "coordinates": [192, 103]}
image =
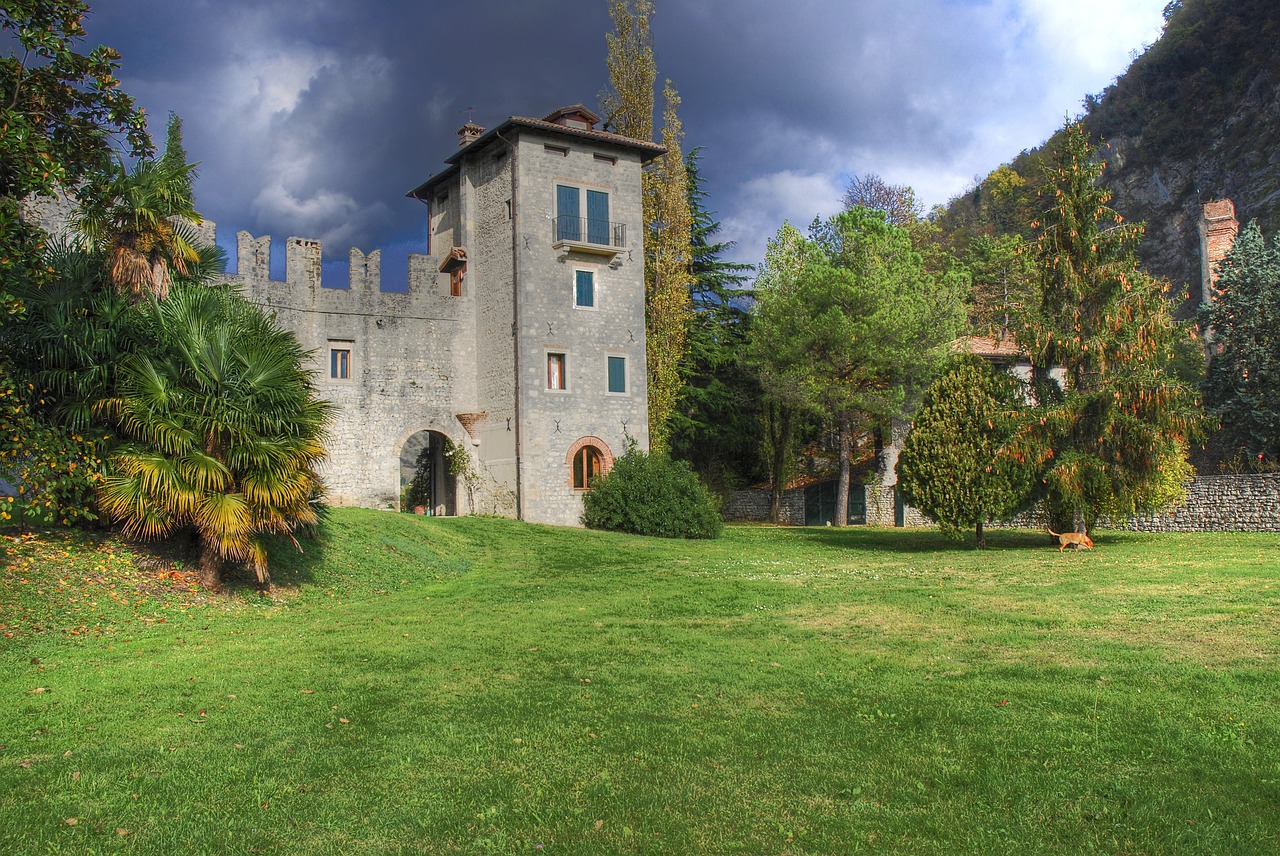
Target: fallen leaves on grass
{"type": "Point", "coordinates": [85, 584]}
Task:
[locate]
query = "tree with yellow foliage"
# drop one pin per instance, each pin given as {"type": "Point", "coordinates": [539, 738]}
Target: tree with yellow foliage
{"type": "Point", "coordinates": [668, 252]}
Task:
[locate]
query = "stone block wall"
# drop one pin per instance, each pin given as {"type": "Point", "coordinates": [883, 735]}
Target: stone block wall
{"type": "Point", "coordinates": [752, 506]}
{"type": "Point", "coordinates": [1225, 503]}
{"type": "Point", "coordinates": [403, 363]}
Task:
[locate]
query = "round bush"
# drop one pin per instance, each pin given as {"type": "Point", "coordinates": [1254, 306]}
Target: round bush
{"type": "Point", "coordinates": [651, 495]}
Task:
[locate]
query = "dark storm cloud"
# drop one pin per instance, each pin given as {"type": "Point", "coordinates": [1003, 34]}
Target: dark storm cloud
{"type": "Point", "coordinates": [313, 119]}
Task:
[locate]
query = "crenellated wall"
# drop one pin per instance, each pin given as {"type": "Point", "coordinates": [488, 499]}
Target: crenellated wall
{"type": "Point", "coordinates": [456, 368]}
{"type": "Point", "coordinates": [410, 359]}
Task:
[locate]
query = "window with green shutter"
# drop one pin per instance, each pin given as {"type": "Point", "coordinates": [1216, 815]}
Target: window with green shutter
{"type": "Point", "coordinates": [584, 289]}
{"type": "Point", "coordinates": [617, 374]}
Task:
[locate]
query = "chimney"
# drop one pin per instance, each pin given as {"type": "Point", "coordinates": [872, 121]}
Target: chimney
{"type": "Point", "coordinates": [1218, 230]}
{"type": "Point", "coordinates": [468, 134]}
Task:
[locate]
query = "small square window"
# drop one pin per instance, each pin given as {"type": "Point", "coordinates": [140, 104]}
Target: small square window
{"type": "Point", "coordinates": [618, 374]}
{"type": "Point", "coordinates": [340, 361]}
{"type": "Point", "coordinates": [556, 365]}
{"type": "Point", "coordinates": [584, 289]}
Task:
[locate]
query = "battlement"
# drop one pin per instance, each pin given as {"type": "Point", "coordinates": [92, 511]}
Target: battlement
{"type": "Point", "coordinates": [428, 292]}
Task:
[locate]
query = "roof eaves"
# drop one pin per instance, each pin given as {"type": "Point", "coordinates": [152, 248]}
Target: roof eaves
{"type": "Point", "coordinates": [648, 150]}
{"type": "Point", "coordinates": [422, 191]}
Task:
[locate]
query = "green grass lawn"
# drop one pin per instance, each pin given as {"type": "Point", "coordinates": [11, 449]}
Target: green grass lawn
{"type": "Point", "coordinates": [482, 685]}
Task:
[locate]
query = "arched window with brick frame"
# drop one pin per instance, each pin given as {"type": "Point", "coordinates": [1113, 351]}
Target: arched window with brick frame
{"type": "Point", "coordinates": [588, 457]}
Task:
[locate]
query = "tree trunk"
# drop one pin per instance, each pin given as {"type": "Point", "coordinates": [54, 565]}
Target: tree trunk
{"type": "Point", "coordinates": [779, 434]}
{"type": "Point", "coordinates": [982, 539]}
{"type": "Point", "coordinates": [1077, 521]}
{"type": "Point", "coordinates": [842, 486]}
{"type": "Point", "coordinates": [210, 567]}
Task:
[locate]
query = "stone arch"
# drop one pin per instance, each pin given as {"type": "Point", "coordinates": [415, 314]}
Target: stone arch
{"type": "Point", "coordinates": [441, 485]}
{"type": "Point", "coordinates": [575, 472]}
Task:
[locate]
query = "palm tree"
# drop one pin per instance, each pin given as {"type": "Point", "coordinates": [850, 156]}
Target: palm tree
{"type": "Point", "coordinates": [225, 430]}
{"type": "Point", "coordinates": [144, 225]}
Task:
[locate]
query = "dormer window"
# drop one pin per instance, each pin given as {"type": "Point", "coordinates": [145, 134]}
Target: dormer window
{"type": "Point", "coordinates": [577, 116]}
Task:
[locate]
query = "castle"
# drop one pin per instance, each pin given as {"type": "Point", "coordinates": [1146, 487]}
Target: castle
{"type": "Point", "coordinates": [516, 358]}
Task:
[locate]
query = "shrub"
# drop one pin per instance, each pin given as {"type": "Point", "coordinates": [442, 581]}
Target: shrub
{"type": "Point", "coordinates": [650, 494]}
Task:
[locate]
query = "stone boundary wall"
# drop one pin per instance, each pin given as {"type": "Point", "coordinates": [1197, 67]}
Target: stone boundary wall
{"type": "Point", "coordinates": [1226, 503]}
{"type": "Point", "coordinates": [752, 506]}
{"type": "Point", "coordinates": [1218, 503]}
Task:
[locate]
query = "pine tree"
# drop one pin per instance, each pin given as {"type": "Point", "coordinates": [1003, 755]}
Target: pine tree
{"type": "Point", "coordinates": [1110, 436]}
{"type": "Point", "coordinates": [716, 426]}
{"type": "Point", "coordinates": [1242, 390]}
{"type": "Point", "coordinates": [853, 324]}
{"type": "Point", "coordinates": [175, 156]}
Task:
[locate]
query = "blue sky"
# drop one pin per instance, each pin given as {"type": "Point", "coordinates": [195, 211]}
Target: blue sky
{"type": "Point", "coordinates": [313, 119]}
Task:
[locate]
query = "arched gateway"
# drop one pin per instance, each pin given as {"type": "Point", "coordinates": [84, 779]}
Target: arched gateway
{"type": "Point", "coordinates": [425, 479]}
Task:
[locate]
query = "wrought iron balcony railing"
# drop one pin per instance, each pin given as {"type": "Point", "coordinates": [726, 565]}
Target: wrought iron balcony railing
{"type": "Point", "coordinates": [583, 230]}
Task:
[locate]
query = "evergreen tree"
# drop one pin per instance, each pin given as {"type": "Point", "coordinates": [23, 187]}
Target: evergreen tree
{"type": "Point", "coordinates": [1111, 436]}
{"type": "Point", "coordinates": [716, 426]}
{"type": "Point", "coordinates": [783, 403]}
{"type": "Point", "coordinates": [1242, 390]}
{"type": "Point", "coordinates": [1003, 283]}
{"type": "Point", "coordinates": [175, 155]}
{"type": "Point", "coordinates": [955, 465]}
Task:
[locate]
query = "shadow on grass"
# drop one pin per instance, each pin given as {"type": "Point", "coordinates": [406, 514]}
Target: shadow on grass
{"type": "Point", "coordinates": [290, 565]}
{"type": "Point", "coordinates": [917, 540]}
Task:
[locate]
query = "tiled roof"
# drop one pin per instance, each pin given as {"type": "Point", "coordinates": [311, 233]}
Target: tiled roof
{"type": "Point", "coordinates": [988, 347]}
{"type": "Point", "coordinates": [648, 150]}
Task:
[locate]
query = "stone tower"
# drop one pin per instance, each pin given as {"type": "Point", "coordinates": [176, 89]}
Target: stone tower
{"type": "Point", "coordinates": [515, 362]}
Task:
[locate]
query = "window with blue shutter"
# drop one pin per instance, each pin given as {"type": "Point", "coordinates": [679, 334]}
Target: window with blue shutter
{"type": "Point", "coordinates": [568, 224]}
{"type": "Point", "coordinates": [584, 289]}
{"type": "Point", "coordinates": [597, 217]}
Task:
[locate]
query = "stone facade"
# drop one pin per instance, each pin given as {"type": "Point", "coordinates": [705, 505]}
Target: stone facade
{"type": "Point", "coordinates": [464, 354]}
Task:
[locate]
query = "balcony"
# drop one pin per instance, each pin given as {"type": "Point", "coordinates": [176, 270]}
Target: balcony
{"type": "Point", "coordinates": [585, 235]}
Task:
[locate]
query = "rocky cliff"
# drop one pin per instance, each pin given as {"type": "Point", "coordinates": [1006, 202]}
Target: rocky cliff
{"type": "Point", "coordinates": [1196, 118]}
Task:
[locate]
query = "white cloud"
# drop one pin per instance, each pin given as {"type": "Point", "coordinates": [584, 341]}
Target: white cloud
{"type": "Point", "coordinates": [335, 219]}
{"type": "Point", "coordinates": [762, 203]}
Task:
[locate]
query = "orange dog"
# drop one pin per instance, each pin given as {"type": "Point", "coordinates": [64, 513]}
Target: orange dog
{"type": "Point", "coordinates": [1079, 540]}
